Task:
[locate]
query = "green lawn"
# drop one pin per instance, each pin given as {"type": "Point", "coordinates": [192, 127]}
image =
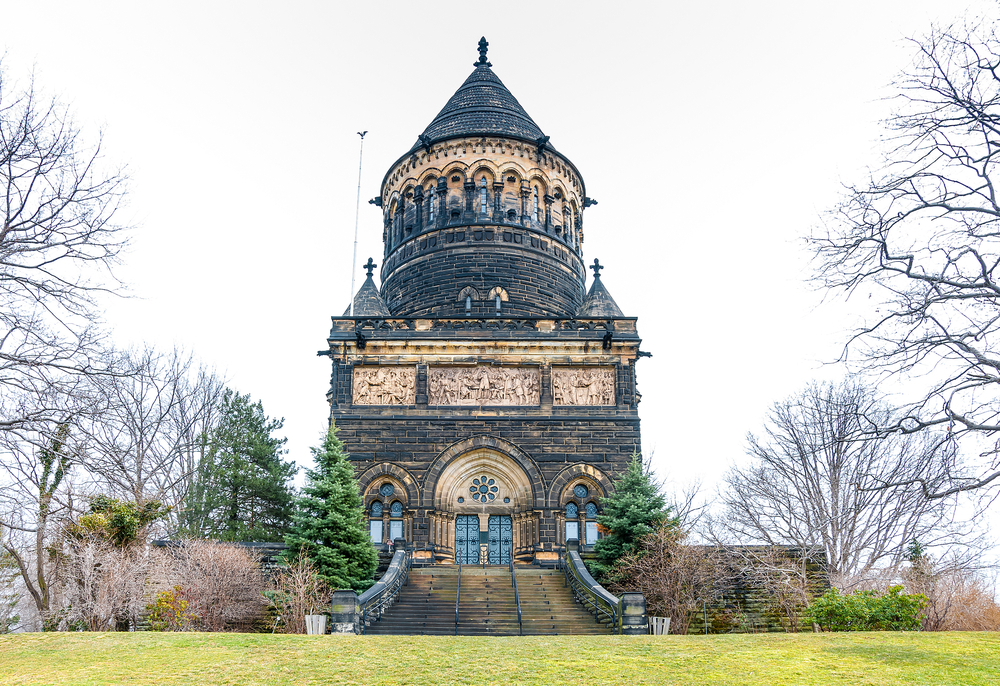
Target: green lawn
{"type": "Point", "coordinates": [190, 658]}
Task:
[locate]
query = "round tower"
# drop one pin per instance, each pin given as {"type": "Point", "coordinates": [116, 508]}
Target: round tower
{"type": "Point", "coordinates": [483, 217]}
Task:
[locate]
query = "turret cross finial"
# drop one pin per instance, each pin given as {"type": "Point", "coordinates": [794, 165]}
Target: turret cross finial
{"type": "Point", "coordinates": [483, 45]}
{"type": "Point", "coordinates": [370, 266]}
{"type": "Point", "coordinates": [597, 267]}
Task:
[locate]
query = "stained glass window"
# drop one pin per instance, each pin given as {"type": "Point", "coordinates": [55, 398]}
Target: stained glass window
{"type": "Point", "coordinates": [376, 509]}
{"type": "Point", "coordinates": [572, 511]}
{"type": "Point", "coordinates": [387, 490]}
{"type": "Point", "coordinates": [591, 510]}
{"type": "Point", "coordinates": [581, 491]}
{"type": "Point", "coordinates": [396, 509]}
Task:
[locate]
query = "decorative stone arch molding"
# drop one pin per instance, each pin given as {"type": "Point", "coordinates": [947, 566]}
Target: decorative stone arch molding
{"type": "Point", "coordinates": [450, 467]}
{"type": "Point", "coordinates": [406, 491]}
{"type": "Point", "coordinates": [598, 482]}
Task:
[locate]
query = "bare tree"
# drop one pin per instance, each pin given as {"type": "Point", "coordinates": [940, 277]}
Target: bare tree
{"type": "Point", "coordinates": [814, 480]}
{"type": "Point", "coordinates": [146, 435]}
{"type": "Point", "coordinates": [35, 502]}
{"type": "Point", "coordinates": [59, 240]}
{"type": "Point", "coordinates": [921, 238]}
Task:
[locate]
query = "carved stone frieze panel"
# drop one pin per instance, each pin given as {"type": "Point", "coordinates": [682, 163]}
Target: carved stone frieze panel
{"type": "Point", "coordinates": [583, 386]}
{"type": "Point", "coordinates": [384, 385]}
{"type": "Point", "coordinates": [483, 385]}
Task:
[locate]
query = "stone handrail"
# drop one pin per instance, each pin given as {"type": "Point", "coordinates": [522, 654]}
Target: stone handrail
{"type": "Point", "coordinates": [627, 614]}
{"type": "Point", "coordinates": [351, 613]}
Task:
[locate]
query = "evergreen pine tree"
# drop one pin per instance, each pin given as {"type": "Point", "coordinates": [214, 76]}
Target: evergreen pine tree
{"type": "Point", "coordinates": [242, 489]}
{"type": "Point", "coordinates": [635, 509]}
{"type": "Point", "coordinates": [329, 525]}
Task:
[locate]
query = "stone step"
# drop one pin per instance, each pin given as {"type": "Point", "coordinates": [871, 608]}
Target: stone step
{"type": "Point", "coordinates": [426, 605]}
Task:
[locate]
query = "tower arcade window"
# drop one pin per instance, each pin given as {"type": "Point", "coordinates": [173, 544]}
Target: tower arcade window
{"type": "Point", "coordinates": [534, 206]}
{"type": "Point", "coordinates": [483, 199]}
{"type": "Point", "coordinates": [431, 193]}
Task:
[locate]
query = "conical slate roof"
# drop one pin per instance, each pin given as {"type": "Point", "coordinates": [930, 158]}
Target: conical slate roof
{"type": "Point", "coordinates": [368, 302]}
{"type": "Point", "coordinates": [599, 303]}
{"type": "Point", "coordinates": [481, 106]}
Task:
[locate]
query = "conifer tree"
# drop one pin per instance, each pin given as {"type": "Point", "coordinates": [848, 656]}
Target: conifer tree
{"type": "Point", "coordinates": [328, 524]}
{"type": "Point", "coordinates": [242, 489]}
{"type": "Point", "coordinates": [634, 510]}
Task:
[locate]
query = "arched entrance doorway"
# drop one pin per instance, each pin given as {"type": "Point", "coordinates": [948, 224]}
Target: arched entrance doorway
{"type": "Point", "coordinates": [483, 510]}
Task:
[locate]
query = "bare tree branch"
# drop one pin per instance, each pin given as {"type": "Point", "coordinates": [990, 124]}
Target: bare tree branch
{"type": "Point", "coordinates": [923, 237]}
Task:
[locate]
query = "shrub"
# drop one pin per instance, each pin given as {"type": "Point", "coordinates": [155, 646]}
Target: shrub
{"type": "Point", "coordinates": [675, 578]}
{"type": "Point", "coordinates": [868, 610]}
{"type": "Point", "coordinates": [959, 598]}
{"type": "Point", "coordinates": [222, 583]}
{"type": "Point", "coordinates": [169, 611]}
{"type": "Point", "coordinates": [299, 590]}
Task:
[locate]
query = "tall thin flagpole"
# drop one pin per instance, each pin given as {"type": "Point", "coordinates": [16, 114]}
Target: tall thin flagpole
{"type": "Point", "coordinates": [357, 211]}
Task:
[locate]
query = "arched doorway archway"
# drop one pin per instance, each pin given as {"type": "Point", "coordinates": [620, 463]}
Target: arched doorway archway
{"type": "Point", "coordinates": [483, 509]}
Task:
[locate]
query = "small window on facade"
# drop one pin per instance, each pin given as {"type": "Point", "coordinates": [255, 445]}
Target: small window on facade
{"type": "Point", "coordinates": [375, 524]}
{"type": "Point", "coordinates": [572, 525]}
{"type": "Point", "coordinates": [498, 304]}
{"type": "Point", "coordinates": [591, 510]}
{"type": "Point", "coordinates": [534, 209]}
{"type": "Point", "coordinates": [430, 204]}
{"type": "Point", "coordinates": [580, 491]}
{"type": "Point", "coordinates": [396, 509]}
{"type": "Point", "coordinates": [483, 201]}
{"type": "Point", "coordinates": [591, 533]}
{"type": "Point", "coordinates": [387, 489]}
{"type": "Point", "coordinates": [468, 304]}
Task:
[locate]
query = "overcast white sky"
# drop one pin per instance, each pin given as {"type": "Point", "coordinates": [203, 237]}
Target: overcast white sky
{"type": "Point", "coordinates": [713, 134]}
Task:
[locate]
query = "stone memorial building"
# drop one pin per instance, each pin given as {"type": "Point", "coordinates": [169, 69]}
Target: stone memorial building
{"type": "Point", "coordinates": [486, 397]}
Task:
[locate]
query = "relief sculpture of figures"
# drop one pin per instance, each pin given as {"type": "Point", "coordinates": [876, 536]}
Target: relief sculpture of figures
{"type": "Point", "coordinates": [483, 386]}
{"type": "Point", "coordinates": [384, 385]}
{"type": "Point", "coordinates": [583, 386]}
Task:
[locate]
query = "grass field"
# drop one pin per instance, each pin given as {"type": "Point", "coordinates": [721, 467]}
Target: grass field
{"type": "Point", "coordinates": [190, 658]}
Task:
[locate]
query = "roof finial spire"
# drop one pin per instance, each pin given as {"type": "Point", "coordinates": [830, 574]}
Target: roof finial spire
{"type": "Point", "coordinates": [483, 46]}
{"type": "Point", "coordinates": [370, 267]}
{"type": "Point", "coordinates": [597, 267]}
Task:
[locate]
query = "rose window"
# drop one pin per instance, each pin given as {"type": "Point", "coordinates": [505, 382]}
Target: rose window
{"type": "Point", "coordinates": [483, 489]}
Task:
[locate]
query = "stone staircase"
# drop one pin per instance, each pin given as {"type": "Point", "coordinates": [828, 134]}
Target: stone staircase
{"type": "Point", "coordinates": [487, 607]}
{"type": "Point", "coordinates": [426, 605]}
{"type": "Point", "coordinates": [548, 606]}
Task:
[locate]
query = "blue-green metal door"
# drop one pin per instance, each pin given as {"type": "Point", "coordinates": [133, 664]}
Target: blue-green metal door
{"type": "Point", "coordinates": [467, 539]}
{"type": "Point", "coordinates": [501, 539]}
